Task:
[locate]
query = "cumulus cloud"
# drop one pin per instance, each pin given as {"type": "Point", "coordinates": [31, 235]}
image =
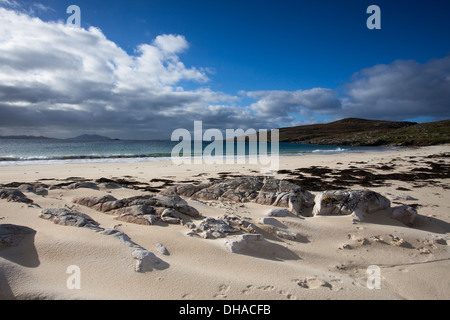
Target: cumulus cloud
{"type": "Point", "coordinates": [396, 91]}
{"type": "Point", "coordinates": [55, 76]}
{"type": "Point", "coordinates": [284, 108]}
{"type": "Point", "coordinates": [282, 103]}
{"type": "Point", "coordinates": [61, 81]}
{"type": "Point", "coordinates": [171, 43]}
{"type": "Point", "coordinates": [402, 89]}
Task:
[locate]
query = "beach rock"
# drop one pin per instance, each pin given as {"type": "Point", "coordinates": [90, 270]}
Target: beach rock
{"type": "Point", "coordinates": [94, 202]}
{"type": "Point", "coordinates": [145, 260]}
{"type": "Point", "coordinates": [12, 235]}
{"type": "Point", "coordinates": [109, 207]}
{"type": "Point", "coordinates": [211, 234]}
{"type": "Point", "coordinates": [141, 209]}
{"type": "Point", "coordinates": [86, 185]}
{"type": "Point", "coordinates": [218, 225]}
{"type": "Point", "coordinates": [239, 243]}
{"type": "Point", "coordinates": [41, 192]}
{"type": "Point", "coordinates": [111, 232]}
{"type": "Point", "coordinates": [190, 225]}
{"type": "Point", "coordinates": [27, 188]}
{"type": "Point", "coordinates": [162, 249]}
{"type": "Point", "coordinates": [346, 202]}
{"type": "Point", "coordinates": [282, 193]}
{"type": "Point", "coordinates": [14, 195]}
{"type": "Point", "coordinates": [137, 210]}
{"type": "Point", "coordinates": [238, 223]}
{"type": "Point", "coordinates": [262, 190]}
{"type": "Point", "coordinates": [248, 227]}
{"type": "Point", "coordinates": [67, 217]}
{"type": "Point", "coordinates": [175, 202]}
{"type": "Point", "coordinates": [143, 215]}
{"type": "Point", "coordinates": [278, 212]}
{"type": "Point", "coordinates": [171, 216]}
{"type": "Point", "coordinates": [405, 214]}
{"type": "Point", "coordinates": [110, 185]}
{"type": "Point", "coordinates": [288, 235]}
{"type": "Point", "coordinates": [187, 190]}
{"type": "Point", "coordinates": [187, 210]}
{"type": "Point", "coordinates": [122, 237]}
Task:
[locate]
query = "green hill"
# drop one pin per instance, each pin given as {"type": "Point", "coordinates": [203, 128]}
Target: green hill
{"type": "Point", "coordinates": [361, 132]}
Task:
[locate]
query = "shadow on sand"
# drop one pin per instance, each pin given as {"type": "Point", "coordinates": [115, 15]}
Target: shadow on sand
{"type": "Point", "coordinates": [268, 250]}
{"type": "Point", "coordinates": [16, 246]}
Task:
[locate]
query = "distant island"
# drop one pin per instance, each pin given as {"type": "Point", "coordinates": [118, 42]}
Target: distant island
{"type": "Point", "coordinates": [84, 137]}
{"type": "Point", "coordinates": [362, 132]}
{"type": "Point", "coordinates": [91, 137]}
{"type": "Point", "coordinates": [24, 137]}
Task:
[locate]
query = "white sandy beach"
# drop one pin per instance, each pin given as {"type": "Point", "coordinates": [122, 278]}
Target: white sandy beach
{"type": "Point", "coordinates": [328, 261]}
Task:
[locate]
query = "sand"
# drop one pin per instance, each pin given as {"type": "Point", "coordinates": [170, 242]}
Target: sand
{"type": "Point", "coordinates": [329, 260]}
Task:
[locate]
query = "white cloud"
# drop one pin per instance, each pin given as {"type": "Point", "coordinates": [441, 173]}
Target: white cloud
{"type": "Point", "coordinates": [171, 43]}
{"type": "Point", "coordinates": [282, 104]}
{"type": "Point", "coordinates": [400, 90]}
{"type": "Point", "coordinates": [72, 77]}
{"type": "Point", "coordinates": [40, 52]}
{"type": "Point", "coordinates": [396, 91]}
{"type": "Point", "coordinates": [67, 80]}
{"type": "Point", "coordinates": [41, 7]}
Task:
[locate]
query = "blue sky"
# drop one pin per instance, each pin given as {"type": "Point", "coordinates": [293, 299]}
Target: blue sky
{"type": "Point", "coordinates": [279, 62]}
{"type": "Point", "coordinates": [274, 45]}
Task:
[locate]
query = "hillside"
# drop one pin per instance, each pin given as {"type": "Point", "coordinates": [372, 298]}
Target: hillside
{"type": "Point", "coordinates": [361, 132]}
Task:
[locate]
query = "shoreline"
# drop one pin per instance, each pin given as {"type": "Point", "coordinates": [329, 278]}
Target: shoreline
{"type": "Point", "coordinates": [125, 161]}
{"type": "Point", "coordinates": [327, 259]}
{"type": "Point", "coordinates": [9, 160]}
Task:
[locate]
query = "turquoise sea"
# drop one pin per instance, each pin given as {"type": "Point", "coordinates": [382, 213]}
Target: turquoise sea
{"type": "Point", "coordinates": [51, 151]}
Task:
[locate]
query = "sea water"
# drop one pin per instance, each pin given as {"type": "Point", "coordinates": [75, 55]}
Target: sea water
{"type": "Point", "coordinates": [15, 152]}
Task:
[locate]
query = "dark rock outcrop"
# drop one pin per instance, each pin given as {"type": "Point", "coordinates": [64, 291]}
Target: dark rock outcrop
{"type": "Point", "coordinates": [144, 210]}
{"type": "Point", "coordinates": [68, 217]}
{"type": "Point", "coordinates": [261, 190]}
{"type": "Point", "coordinates": [14, 195]}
